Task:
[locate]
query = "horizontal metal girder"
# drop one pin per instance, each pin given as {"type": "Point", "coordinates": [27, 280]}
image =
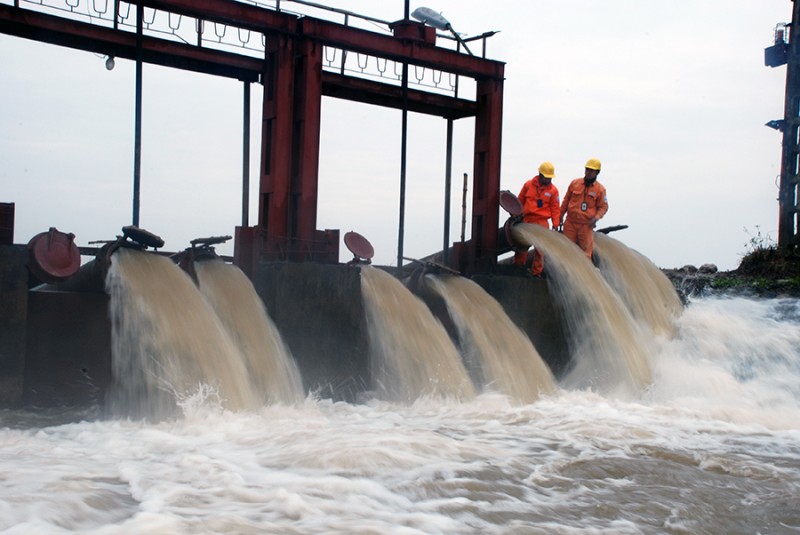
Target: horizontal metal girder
{"type": "Point", "coordinates": [122, 44]}
{"type": "Point", "coordinates": [237, 14]}
{"type": "Point", "coordinates": [333, 34]}
{"type": "Point", "coordinates": [400, 50]}
{"type": "Point", "coordinates": [391, 96]}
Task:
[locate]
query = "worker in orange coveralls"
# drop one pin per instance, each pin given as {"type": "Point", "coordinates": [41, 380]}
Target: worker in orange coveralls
{"type": "Point", "coordinates": [540, 202]}
{"type": "Point", "coordinates": [584, 204]}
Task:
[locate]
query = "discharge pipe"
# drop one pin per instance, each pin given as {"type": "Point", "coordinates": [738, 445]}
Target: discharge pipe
{"type": "Point", "coordinates": [201, 249]}
{"type": "Point", "coordinates": [91, 276]}
{"type": "Point", "coordinates": [53, 256]}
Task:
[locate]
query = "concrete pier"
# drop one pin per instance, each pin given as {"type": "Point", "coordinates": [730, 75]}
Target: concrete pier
{"type": "Point", "coordinates": [55, 346]}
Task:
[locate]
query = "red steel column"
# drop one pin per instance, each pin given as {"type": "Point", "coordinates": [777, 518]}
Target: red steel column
{"type": "Point", "coordinates": [276, 145]}
{"type": "Point", "coordinates": [305, 146]}
{"type": "Point", "coordinates": [486, 175]}
{"type": "Point", "coordinates": [290, 153]}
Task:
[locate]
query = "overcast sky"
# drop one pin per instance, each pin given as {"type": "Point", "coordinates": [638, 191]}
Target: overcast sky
{"type": "Point", "coordinates": [672, 97]}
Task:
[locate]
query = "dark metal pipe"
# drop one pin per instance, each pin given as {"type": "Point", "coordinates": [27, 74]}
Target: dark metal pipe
{"type": "Point", "coordinates": [344, 52]}
{"type": "Point", "coordinates": [403, 149]}
{"type": "Point", "coordinates": [447, 185]}
{"type": "Point", "coordinates": [137, 143]}
{"type": "Point", "coordinates": [246, 157]}
{"type": "Point", "coordinates": [464, 208]}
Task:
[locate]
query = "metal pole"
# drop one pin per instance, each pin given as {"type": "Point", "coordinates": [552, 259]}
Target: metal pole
{"type": "Point", "coordinates": [464, 209]}
{"type": "Point", "coordinates": [447, 184]}
{"type": "Point", "coordinates": [403, 144]}
{"type": "Point", "coordinates": [403, 147]}
{"type": "Point", "coordinates": [455, 89]}
{"type": "Point", "coordinates": [344, 52]}
{"type": "Point", "coordinates": [246, 157]}
{"type": "Point", "coordinates": [137, 136]}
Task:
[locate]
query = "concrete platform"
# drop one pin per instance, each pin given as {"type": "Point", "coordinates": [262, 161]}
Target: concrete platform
{"type": "Point", "coordinates": [55, 346]}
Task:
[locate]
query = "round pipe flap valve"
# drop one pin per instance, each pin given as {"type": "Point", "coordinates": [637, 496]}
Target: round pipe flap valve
{"type": "Point", "coordinates": [53, 256]}
{"type": "Point", "coordinates": [510, 203]}
{"type": "Point", "coordinates": [360, 247]}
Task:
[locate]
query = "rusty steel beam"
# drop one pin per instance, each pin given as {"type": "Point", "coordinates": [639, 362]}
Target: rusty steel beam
{"type": "Point", "coordinates": [82, 36]}
{"type": "Point", "coordinates": [237, 14]}
{"type": "Point", "coordinates": [121, 44]}
{"type": "Point", "coordinates": [333, 34]}
{"type": "Point", "coordinates": [391, 96]}
{"type": "Point", "coordinates": [400, 50]}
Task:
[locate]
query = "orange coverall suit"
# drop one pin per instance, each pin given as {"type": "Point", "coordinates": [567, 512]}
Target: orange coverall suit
{"type": "Point", "coordinates": [582, 204]}
{"type": "Point", "coordinates": [539, 203]}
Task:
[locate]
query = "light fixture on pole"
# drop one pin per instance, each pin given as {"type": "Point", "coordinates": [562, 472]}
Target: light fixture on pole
{"type": "Point", "coordinates": [777, 124]}
{"type": "Point", "coordinates": [430, 17]}
{"type": "Point", "coordinates": [110, 63]}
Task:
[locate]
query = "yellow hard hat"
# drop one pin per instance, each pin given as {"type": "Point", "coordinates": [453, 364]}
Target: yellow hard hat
{"type": "Point", "coordinates": [593, 163]}
{"type": "Point", "coordinates": [547, 170]}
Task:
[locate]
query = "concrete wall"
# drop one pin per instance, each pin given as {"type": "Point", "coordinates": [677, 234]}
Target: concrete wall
{"type": "Point", "coordinates": [68, 353]}
{"type": "Point", "coordinates": [527, 302]}
{"type": "Point", "coordinates": [55, 346]}
{"type": "Point", "coordinates": [319, 311]}
{"type": "Point", "coordinates": [13, 313]}
{"type": "Point", "coordinates": [320, 314]}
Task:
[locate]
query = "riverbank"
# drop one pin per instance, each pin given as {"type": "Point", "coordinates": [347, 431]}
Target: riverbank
{"type": "Point", "coordinates": [762, 273]}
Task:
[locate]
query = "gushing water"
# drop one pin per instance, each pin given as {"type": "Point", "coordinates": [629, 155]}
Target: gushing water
{"type": "Point", "coordinates": [270, 366]}
{"type": "Point", "coordinates": [647, 292]}
{"type": "Point", "coordinates": [713, 447]}
{"type": "Point", "coordinates": [503, 355]}
{"type": "Point", "coordinates": [412, 355]}
{"type": "Point", "coordinates": [735, 358]}
{"type": "Point", "coordinates": [608, 349]}
{"type": "Point", "coordinates": [167, 341]}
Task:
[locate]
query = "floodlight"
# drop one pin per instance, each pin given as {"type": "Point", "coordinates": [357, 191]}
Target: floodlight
{"type": "Point", "coordinates": [430, 17]}
{"type": "Point", "coordinates": [777, 124]}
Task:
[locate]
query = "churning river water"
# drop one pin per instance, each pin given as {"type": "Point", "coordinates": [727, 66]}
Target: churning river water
{"type": "Point", "coordinates": [711, 446]}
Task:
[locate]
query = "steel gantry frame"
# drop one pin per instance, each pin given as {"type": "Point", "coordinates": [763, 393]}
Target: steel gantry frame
{"type": "Point", "coordinates": [291, 71]}
{"type": "Point", "coordinates": [786, 51]}
{"type": "Point", "coordinates": [788, 236]}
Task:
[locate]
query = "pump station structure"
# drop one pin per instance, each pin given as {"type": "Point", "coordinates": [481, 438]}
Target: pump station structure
{"type": "Point", "coordinates": [288, 53]}
{"type": "Point", "coordinates": [55, 333]}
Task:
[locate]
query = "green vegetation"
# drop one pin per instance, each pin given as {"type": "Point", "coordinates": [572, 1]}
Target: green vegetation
{"type": "Point", "coordinates": [725, 282]}
{"type": "Point", "coordinates": [763, 259]}
{"type": "Point", "coordinates": [765, 269]}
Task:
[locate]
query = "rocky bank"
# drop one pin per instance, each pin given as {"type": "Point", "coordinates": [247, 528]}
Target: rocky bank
{"type": "Point", "coordinates": [763, 273]}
